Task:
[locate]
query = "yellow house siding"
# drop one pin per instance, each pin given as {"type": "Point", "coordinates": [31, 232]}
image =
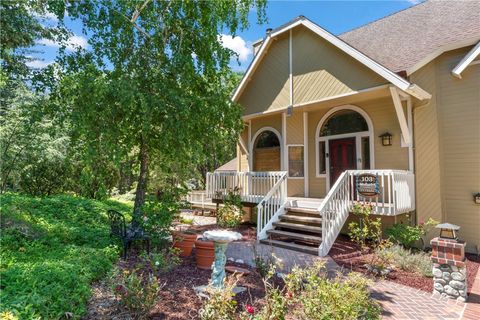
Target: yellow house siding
{"type": "Point", "coordinates": [321, 70]}
{"type": "Point", "coordinates": [427, 153]}
{"type": "Point", "coordinates": [295, 187]}
{"type": "Point", "coordinates": [268, 89]}
{"type": "Point", "coordinates": [295, 128]}
{"type": "Point", "coordinates": [274, 121]}
{"type": "Point", "coordinates": [241, 154]}
{"type": "Point", "coordinates": [459, 123]}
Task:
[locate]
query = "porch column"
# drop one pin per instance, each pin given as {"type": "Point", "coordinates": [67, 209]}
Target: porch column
{"type": "Point", "coordinates": [305, 152]}
{"type": "Point", "coordinates": [284, 156]}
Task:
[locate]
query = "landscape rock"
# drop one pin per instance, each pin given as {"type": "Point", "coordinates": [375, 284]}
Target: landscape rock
{"type": "Point", "coordinates": [440, 281]}
{"type": "Point", "coordinates": [446, 276]}
{"type": "Point", "coordinates": [457, 276]}
{"type": "Point", "coordinates": [457, 284]}
{"type": "Point", "coordinates": [438, 287]}
{"type": "Point", "coordinates": [437, 273]}
{"type": "Point", "coordinates": [451, 291]}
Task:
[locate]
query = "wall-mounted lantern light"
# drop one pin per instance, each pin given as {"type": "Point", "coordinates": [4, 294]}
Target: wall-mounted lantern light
{"type": "Point", "coordinates": [476, 198]}
{"type": "Point", "coordinates": [448, 230]}
{"type": "Point", "coordinates": [386, 139]}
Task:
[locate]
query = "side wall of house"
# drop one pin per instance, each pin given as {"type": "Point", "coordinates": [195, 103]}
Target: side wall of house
{"type": "Point", "coordinates": [455, 114]}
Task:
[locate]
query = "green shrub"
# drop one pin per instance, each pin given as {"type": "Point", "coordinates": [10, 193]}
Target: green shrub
{"type": "Point", "coordinates": [52, 249]}
{"type": "Point", "coordinates": [407, 235]}
{"type": "Point", "coordinates": [220, 304]}
{"type": "Point", "coordinates": [162, 261]}
{"type": "Point", "coordinates": [139, 293]}
{"type": "Point", "coordinates": [319, 298]}
{"type": "Point", "coordinates": [367, 228]}
{"type": "Point", "coordinates": [407, 260]}
{"type": "Point", "coordinates": [230, 214]}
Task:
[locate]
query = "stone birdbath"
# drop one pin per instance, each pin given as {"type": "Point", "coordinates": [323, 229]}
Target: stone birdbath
{"type": "Point", "coordinates": [221, 239]}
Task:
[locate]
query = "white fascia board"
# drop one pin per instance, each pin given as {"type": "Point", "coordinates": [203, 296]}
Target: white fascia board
{"type": "Point", "coordinates": [463, 64]}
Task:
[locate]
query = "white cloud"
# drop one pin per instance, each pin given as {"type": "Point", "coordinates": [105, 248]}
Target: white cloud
{"type": "Point", "coordinates": [237, 45]}
{"type": "Point", "coordinates": [73, 43]}
{"type": "Point", "coordinates": [38, 64]}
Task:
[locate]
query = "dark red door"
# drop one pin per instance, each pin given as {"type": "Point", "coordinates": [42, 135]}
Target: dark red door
{"type": "Point", "coordinates": [342, 157]}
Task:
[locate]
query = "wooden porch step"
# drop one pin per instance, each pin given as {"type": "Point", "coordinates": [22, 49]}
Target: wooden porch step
{"type": "Point", "coordinates": [291, 246]}
{"type": "Point", "coordinates": [303, 211]}
{"type": "Point", "coordinates": [301, 219]}
{"type": "Point", "coordinates": [297, 226]}
{"type": "Point", "coordinates": [294, 235]}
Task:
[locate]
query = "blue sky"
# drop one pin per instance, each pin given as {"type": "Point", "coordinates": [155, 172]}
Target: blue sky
{"type": "Point", "coordinates": [335, 16]}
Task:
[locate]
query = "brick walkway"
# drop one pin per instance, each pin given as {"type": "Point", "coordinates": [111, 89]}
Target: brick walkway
{"type": "Point", "coordinates": [402, 302]}
{"type": "Point", "coordinates": [472, 312]}
{"type": "Point", "coordinates": [398, 301]}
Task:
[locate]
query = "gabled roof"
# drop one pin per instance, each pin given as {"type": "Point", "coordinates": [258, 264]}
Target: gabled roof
{"type": "Point", "coordinates": [229, 166]}
{"type": "Point", "coordinates": [409, 39]}
{"type": "Point", "coordinates": [387, 74]}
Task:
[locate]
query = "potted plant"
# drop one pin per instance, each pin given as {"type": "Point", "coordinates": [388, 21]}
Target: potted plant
{"type": "Point", "coordinates": [204, 253]}
{"type": "Point", "coordinates": [184, 240]}
{"type": "Point", "coordinates": [230, 215]}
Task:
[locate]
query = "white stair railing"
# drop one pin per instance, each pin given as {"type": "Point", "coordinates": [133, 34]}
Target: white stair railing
{"type": "Point", "coordinates": [334, 211]}
{"type": "Point", "coordinates": [271, 207]}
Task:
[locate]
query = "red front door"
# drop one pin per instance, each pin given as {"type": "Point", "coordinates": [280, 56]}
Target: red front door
{"type": "Point", "coordinates": [342, 157]}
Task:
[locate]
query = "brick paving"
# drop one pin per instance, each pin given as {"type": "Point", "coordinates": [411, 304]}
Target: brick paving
{"type": "Point", "coordinates": [402, 302]}
{"type": "Point", "coordinates": [472, 311]}
{"type": "Point", "coordinates": [399, 302]}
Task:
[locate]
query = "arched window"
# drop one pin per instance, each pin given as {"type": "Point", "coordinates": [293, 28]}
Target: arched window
{"type": "Point", "coordinates": [344, 121]}
{"type": "Point", "coordinates": [267, 151]}
{"type": "Point", "coordinates": [267, 139]}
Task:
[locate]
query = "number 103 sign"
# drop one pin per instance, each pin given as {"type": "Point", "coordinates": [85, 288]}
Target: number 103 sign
{"type": "Point", "coordinates": [367, 185]}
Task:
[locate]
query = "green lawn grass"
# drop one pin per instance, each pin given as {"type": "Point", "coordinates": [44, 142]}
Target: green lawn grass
{"type": "Point", "coordinates": [51, 250]}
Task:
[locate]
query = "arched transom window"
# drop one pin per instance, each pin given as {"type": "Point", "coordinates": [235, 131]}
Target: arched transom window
{"type": "Point", "coordinates": [344, 121]}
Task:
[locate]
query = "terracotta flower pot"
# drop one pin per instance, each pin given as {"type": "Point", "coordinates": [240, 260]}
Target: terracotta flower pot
{"type": "Point", "coordinates": [184, 242]}
{"type": "Point", "coordinates": [205, 254]}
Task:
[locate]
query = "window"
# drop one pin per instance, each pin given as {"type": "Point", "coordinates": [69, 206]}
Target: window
{"type": "Point", "coordinates": [321, 158]}
{"type": "Point", "coordinates": [365, 153]}
{"type": "Point", "coordinates": [344, 121]}
{"type": "Point", "coordinates": [267, 139]}
{"type": "Point", "coordinates": [295, 162]}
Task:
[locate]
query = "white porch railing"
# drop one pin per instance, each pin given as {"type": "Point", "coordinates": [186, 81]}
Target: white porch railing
{"type": "Point", "coordinates": [396, 191]}
{"type": "Point", "coordinates": [396, 195]}
{"type": "Point", "coordinates": [252, 186]}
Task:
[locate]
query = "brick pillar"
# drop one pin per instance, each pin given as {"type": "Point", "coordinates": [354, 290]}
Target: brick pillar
{"type": "Point", "coordinates": [449, 269]}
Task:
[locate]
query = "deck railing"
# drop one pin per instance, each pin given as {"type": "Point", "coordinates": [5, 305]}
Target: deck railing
{"type": "Point", "coordinates": [395, 195]}
{"type": "Point", "coordinates": [252, 186]}
{"type": "Point", "coordinates": [396, 191]}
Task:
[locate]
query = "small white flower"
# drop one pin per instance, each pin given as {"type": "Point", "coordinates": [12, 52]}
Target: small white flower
{"type": "Point", "coordinates": [157, 263]}
{"type": "Point", "coordinates": [145, 218]}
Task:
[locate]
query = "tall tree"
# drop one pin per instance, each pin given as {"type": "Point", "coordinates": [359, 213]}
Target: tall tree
{"type": "Point", "coordinates": [154, 78]}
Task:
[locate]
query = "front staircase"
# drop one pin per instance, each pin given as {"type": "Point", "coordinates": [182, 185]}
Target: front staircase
{"type": "Point", "coordinates": [311, 225]}
{"type": "Point", "coordinates": [299, 228]}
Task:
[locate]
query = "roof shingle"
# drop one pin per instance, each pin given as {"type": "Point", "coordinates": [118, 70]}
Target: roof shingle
{"type": "Point", "coordinates": [401, 40]}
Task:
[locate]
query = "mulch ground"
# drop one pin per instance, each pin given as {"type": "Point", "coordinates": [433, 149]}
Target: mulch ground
{"type": "Point", "coordinates": [349, 255]}
{"type": "Point", "coordinates": [177, 298]}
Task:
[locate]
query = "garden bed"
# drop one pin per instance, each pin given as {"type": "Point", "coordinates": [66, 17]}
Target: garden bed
{"type": "Point", "coordinates": [348, 255]}
{"type": "Point", "coordinates": [177, 298]}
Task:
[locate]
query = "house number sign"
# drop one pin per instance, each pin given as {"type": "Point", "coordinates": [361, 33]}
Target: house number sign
{"type": "Point", "coordinates": [368, 185]}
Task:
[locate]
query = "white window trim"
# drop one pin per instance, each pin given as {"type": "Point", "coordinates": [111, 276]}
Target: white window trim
{"type": "Point", "coordinates": [252, 142]}
{"type": "Point", "coordinates": [356, 135]}
{"type": "Point", "coordinates": [288, 161]}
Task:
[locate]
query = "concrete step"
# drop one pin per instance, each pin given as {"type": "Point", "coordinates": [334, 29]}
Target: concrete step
{"type": "Point", "coordinates": [309, 203]}
{"type": "Point", "coordinates": [294, 235]}
{"type": "Point", "coordinates": [297, 226]}
{"type": "Point", "coordinates": [291, 246]}
{"type": "Point", "coordinates": [301, 219]}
